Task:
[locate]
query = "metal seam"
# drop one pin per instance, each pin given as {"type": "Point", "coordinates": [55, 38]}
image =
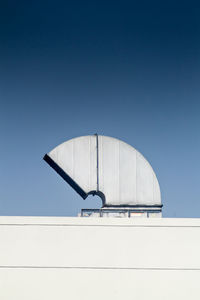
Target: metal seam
{"type": "Point", "coordinates": [97, 146]}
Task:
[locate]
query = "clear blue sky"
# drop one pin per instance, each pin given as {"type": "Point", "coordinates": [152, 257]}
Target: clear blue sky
{"type": "Point", "coordinates": [127, 69]}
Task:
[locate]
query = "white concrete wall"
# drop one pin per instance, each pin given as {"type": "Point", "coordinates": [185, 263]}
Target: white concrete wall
{"type": "Point", "coordinates": [99, 258]}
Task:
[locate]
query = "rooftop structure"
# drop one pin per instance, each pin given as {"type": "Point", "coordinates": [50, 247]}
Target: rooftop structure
{"type": "Point", "coordinates": [112, 169]}
{"type": "Point", "coordinates": [102, 258]}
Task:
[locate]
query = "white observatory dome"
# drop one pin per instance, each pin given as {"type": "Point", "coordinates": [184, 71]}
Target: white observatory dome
{"type": "Point", "coordinates": [108, 167]}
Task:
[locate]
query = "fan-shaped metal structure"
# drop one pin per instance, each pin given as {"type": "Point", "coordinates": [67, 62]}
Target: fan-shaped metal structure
{"type": "Point", "coordinates": [108, 167]}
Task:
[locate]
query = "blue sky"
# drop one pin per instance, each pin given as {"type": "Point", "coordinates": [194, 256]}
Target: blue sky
{"type": "Point", "coordinates": [127, 69]}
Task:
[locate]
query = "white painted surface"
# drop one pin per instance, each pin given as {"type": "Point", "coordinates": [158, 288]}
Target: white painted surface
{"type": "Point", "coordinates": [62, 284]}
{"type": "Point", "coordinates": [124, 175]}
{"type": "Point", "coordinates": [87, 258]}
{"type": "Point", "coordinates": [77, 158]}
